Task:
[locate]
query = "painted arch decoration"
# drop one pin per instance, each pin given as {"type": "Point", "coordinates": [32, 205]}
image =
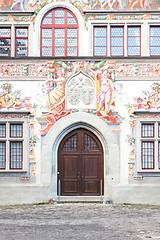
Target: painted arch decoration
{"type": "Point", "coordinates": [31, 5]}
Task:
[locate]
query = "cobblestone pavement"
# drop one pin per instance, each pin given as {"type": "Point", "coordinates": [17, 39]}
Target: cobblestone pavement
{"type": "Point", "coordinates": [77, 221]}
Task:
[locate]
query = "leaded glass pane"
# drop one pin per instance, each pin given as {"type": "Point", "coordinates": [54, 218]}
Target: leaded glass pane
{"type": "Point", "coordinates": [16, 130]}
{"type": "Point", "coordinates": [5, 32]}
{"type": "Point", "coordinates": [21, 32]}
{"type": "Point", "coordinates": [21, 43]}
{"type": "Point", "coordinates": [2, 130]}
{"type": "Point", "coordinates": [133, 41]}
{"type": "Point", "coordinates": [72, 33]}
{"type": "Point", "coordinates": [99, 32]}
{"type": "Point", "coordinates": [71, 42]}
{"type": "Point", "coordinates": [59, 33]}
{"type": "Point", "coordinates": [47, 42]}
{"type": "Point", "coordinates": [71, 51]}
{"type": "Point", "coordinates": [15, 155]}
{"type": "Point", "coordinates": [70, 19]}
{"type": "Point", "coordinates": [133, 51]}
{"type": "Point", "coordinates": [147, 155]}
{"type": "Point", "coordinates": [70, 144]}
{"type": "Point", "coordinates": [47, 33]}
{"type": "Point", "coordinates": [2, 155]}
{"type": "Point", "coordinates": [5, 51]}
{"type": "Point", "coordinates": [155, 51]}
{"type": "Point", "coordinates": [59, 20]}
{"type": "Point", "coordinates": [133, 31]}
{"type": "Point", "coordinates": [47, 20]}
{"type": "Point", "coordinates": [59, 51]}
{"type": "Point", "coordinates": [155, 41]}
{"type": "Point", "coordinates": [21, 52]}
{"type": "Point", "coordinates": [117, 31]}
{"type": "Point", "coordinates": [90, 143]}
{"type": "Point", "coordinates": [100, 51]}
{"type": "Point", "coordinates": [46, 51]}
{"type": "Point", "coordinates": [155, 31]}
{"type": "Point", "coordinates": [117, 41]}
{"type": "Point", "coordinates": [147, 130]}
{"type": "Point", "coordinates": [59, 13]}
{"type": "Point", "coordinates": [117, 51]}
{"type": "Point", "coordinates": [100, 42]}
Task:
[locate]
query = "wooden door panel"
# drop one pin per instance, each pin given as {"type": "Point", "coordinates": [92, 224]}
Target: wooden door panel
{"type": "Point", "coordinates": [80, 163]}
{"type": "Point", "coordinates": [70, 183]}
{"type": "Point", "coordinates": [70, 187]}
{"type": "Point", "coordinates": [91, 174]}
{"type": "Point", "coordinates": [70, 166]}
{"type": "Point", "coordinates": [90, 167]}
{"type": "Point", "coordinates": [91, 187]}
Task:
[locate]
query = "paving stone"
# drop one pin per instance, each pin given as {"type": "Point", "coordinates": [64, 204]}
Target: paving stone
{"type": "Point", "coordinates": [79, 221]}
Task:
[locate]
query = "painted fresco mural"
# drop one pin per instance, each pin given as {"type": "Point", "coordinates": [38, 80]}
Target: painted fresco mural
{"type": "Point", "coordinates": [59, 73]}
{"type": "Point", "coordinates": [31, 5]}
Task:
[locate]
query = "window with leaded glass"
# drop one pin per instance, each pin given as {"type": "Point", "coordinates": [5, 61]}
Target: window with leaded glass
{"type": "Point", "coordinates": [5, 42]}
{"type": "Point", "coordinates": [11, 146]}
{"type": "Point", "coordinates": [59, 33]}
{"type": "Point", "coordinates": [117, 41]}
{"type": "Point", "coordinates": [21, 42]}
{"type": "Point", "coordinates": [154, 40]}
{"type": "Point", "coordinates": [134, 41]}
{"type": "Point", "coordinates": [150, 146]}
{"type": "Point", "coordinates": [100, 41]}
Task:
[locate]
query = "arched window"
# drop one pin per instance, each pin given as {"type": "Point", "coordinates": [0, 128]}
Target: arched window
{"type": "Point", "coordinates": [59, 33]}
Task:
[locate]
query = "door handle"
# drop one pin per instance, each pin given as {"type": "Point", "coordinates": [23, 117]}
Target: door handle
{"type": "Point", "coordinates": [79, 175]}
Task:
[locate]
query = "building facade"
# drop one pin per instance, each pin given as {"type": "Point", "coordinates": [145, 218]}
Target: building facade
{"type": "Point", "coordinates": [79, 101]}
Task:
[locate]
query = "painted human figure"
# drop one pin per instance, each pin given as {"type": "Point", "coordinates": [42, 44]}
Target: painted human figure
{"type": "Point", "coordinates": [18, 2]}
{"type": "Point", "coordinates": [104, 97]}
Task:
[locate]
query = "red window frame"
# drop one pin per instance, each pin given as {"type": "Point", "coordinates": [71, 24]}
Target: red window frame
{"type": "Point", "coordinates": [116, 37]}
{"type": "Point", "coordinates": [134, 37]}
{"type": "Point", "coordinates": [94, 37]}
{"type": "Point", "coordinates": [6, 38]}
{"type": "Point", "coordinates": [147, 155]}
{"type": "Point", "coordinates": [3, 124]}
{"type": "Point", "coordinates": [150, 40]}
{"type": "Point", "coordinates": [17, 124]}
{"type": "Point", "coordinates": [64, 26]}
{"type": "Point", "coordinates": [17, 55]}
{"type": "Point", "coordinates": [147, 136]}
{"type": "Point", "coordinates": [2, 155]}
{"type": "Point", "coordinates": [20, 162]}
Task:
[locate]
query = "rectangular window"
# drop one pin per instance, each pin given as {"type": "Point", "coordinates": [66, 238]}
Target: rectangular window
{"type": "Point", "coordinates": [147, 155]}
{"type": "Point", "coordinates": [150, 146]}
{"type": "Point", "coordinates": [21, 42]}
{"type": "Point", "coordinates": [117, 41]}
{"type": "Point", "coordinates": [134, 41]}
{"type": "Point", "coordinates": [16, 155]}
{"type": "Point", "coordinates": [5, 42]}
{"type": "Point", "coordinates": [11, 146]}
{"type": "Point", "coordinates": [154, 41]}
{"type": "Point", "coordinates": [100, 41]}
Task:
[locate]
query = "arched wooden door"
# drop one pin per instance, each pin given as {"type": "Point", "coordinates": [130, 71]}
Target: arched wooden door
{"type": "Point", "coordinates": [80, 164]}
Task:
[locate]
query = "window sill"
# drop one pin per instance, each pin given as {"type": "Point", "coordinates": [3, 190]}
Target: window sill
{"type": "Point", "coordinates": [148, 171]}
{"type": "Point", "coordinates": [13, 171]}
